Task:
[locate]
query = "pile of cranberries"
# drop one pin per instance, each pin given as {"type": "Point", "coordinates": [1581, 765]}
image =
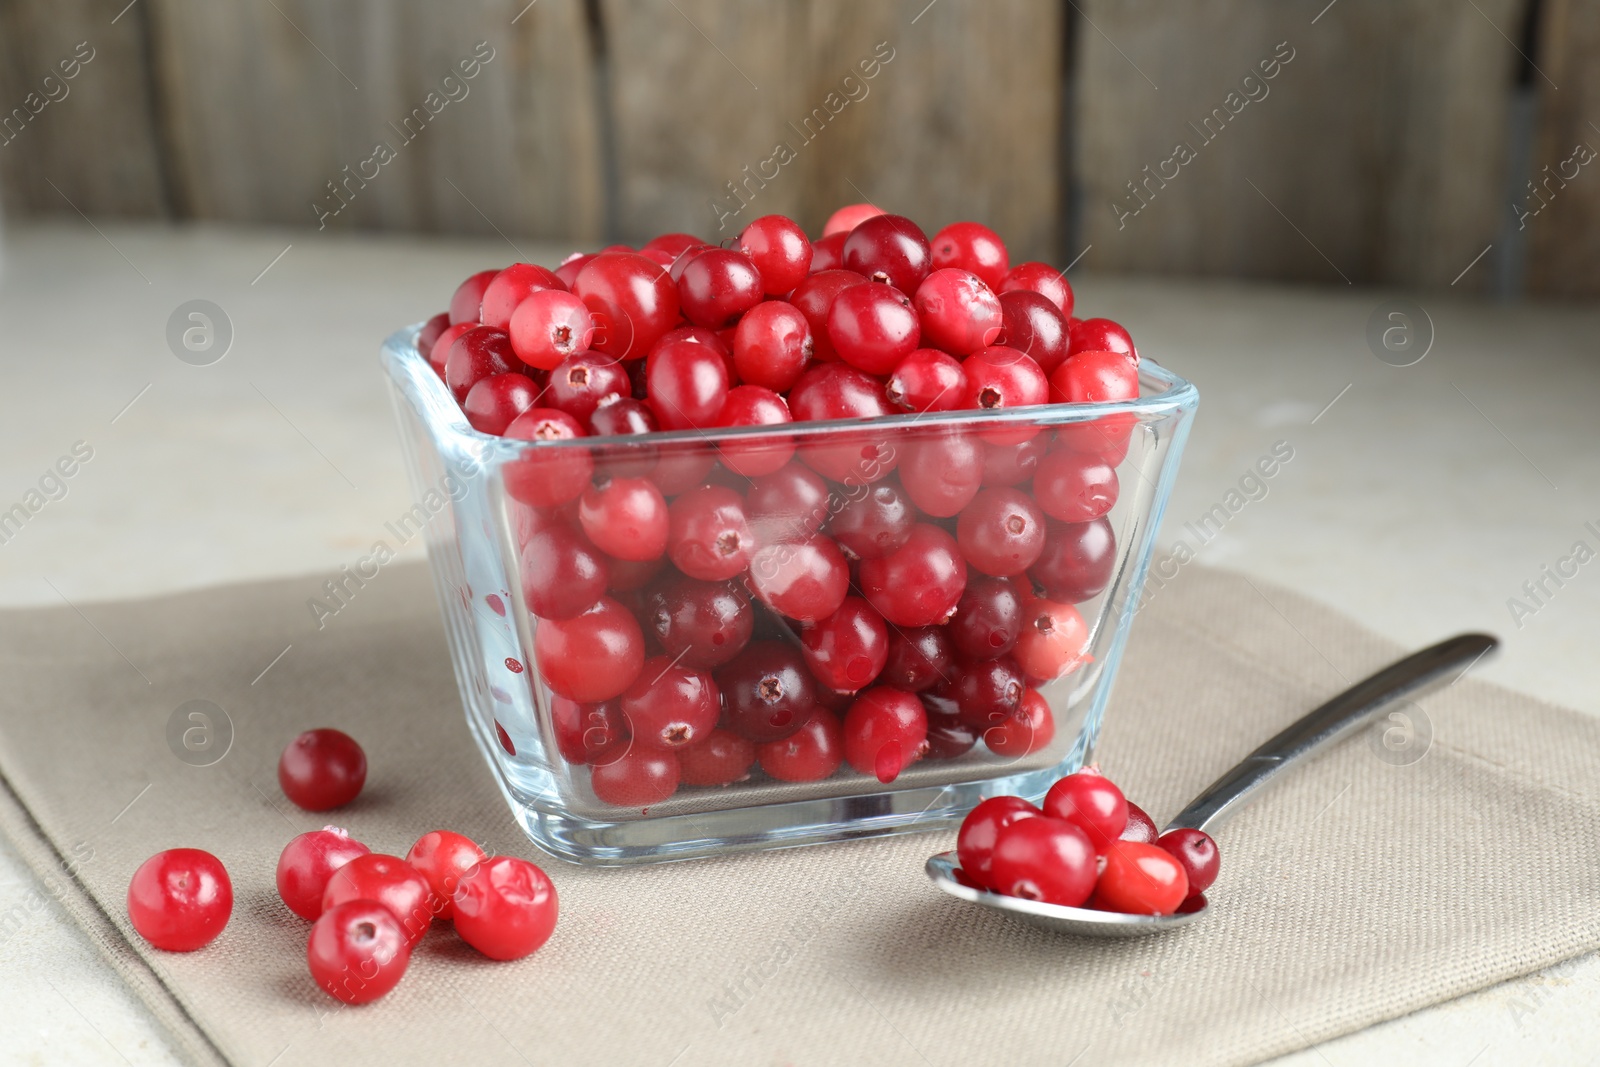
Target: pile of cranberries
{"type": "Point", "coordinates": [797, 603]}
{"type": "Point", "coordinates": [1086, 846]}
{"type": "Point", "coordinates": [368, 910]}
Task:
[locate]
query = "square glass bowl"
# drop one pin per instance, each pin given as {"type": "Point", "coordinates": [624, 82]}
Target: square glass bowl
{"type": "Point", "coordinates": [473, 494]}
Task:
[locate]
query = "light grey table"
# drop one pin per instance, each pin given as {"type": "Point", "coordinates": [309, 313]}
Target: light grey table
{"type": "Point", "coordinates": [1419, 499]}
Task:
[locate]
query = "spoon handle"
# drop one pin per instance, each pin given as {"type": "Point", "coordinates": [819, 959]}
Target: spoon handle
{"type": "Point", "coordinates": [1338, 718]}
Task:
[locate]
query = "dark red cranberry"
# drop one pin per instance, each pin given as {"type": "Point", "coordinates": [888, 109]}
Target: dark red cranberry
{"type": "Point", "coordinates": [584, 381]}
{"type": "Point", "coordinates": [493, 402]}
{"type": "Point", "coordinates": [890, 249]}
{"type": "Point", "coordinates": [704, 623]}
{"type": "Point", "coordinates": [1077, 560]}
{"type": "Point", "coordinates": [1196, 853]}
{"type": "Point", "coordinates": [949, 737]}
{"type": "Point", "coordinates": [721, 758]}
{"type": "Point", "coordinates": [688, 384]}
{"type": "Point", "coordinates": [466, 304]}
{"type": "Point", "coordinates": [919, 658]}
{"type": "Point", "coordinates": [631, 575]}
{"type": "Point", "coordinates": [431, 331]}
{"type": "Point", "coordinates": [594, 734]}
{"type": "Point", "coordinates": [987, 619]}
{"type": "Point", "coordinates": [1140, 826]}
{"type": "Point", "coordinates": [624, 417]}
{"type": "Point", "coordinates": [873, 521]}
{"type": "Point", "coordinates": [1034, 326]}
{"type": "Point", "coordinates": [827, 253]}
{"type": "Point", "coordinates": [477, 354]}
{"type": "Point", "coordinates": [767, 692]}
{"type": "Point", "coordinates": [718, 286]}
{"type": "Point", "coordinates": [982, 692]}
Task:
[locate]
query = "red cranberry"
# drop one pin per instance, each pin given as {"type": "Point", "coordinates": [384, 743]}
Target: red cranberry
{"type": "Point", "coordinates": [1012, 464]}
{"type": "Point", "coordinates": [1041, 278]}
{"type": "Point", "coordinates": [1044, 859]}
{"type": "Point", "coordinates": [1001, 379]}
{"type": "Point", "coordinates": [973, 247]}
{"type": "Point", "coordinates": [673, 245]}
{"type": "Point", "coordinates": [975, 842]}
{"type": "Point", "coordinates": [1140, 826]}
{"type": "Point", "coordinates": [626, 518]}
{"type": "Point", "coordinates": [718, 286]}
{"type": "Point", "coordinates": [811, 753]}
{"type": "Point", "coordinates": [873, 522]}
{"type": "Point", "coordinates": [942, 472]}
{"type": "Point", "coordinates": [1140, 879]}
{"type": "Point", "coordinates": [589, 733]}
{"type": "Point", "coordinates": [550, 326]}
{"type": "Point", "coordinates": [388, 880]}
{"type": "Point", "coordinates": [431, 331]}
{"type": "Point", "coordinates": [1195, 852]}
{"type": "Point", "coordinates": [670, 705]}
{"type": "Point", "coordinates": [890, 249]}
{"type": "Point", "coordinates": [772, 345]}
{"type": "Point", "coordinates": [688, 384]}
{"type": "Point", "coordinates": [873, 327]}
{"type": "Point", "coordinates": [1034, 326]}
{"type": "Point", "coordinates": [590, 657]}
{"type": "Point", "coordinates": [547, 478]}
{"type": "Point", "coordinates": [957, 311]}
{"type": "Point", "coordinates": [475, 355]}
{"type": "Point", "coordinates": [467, 302]}
{"type": "Point", "coordinates": [1077, 560]}
{"type": "Point", "coordinates": [885, 731]}
{"type": "Point", "coordinates": [709, 537]}
{"type": "Point", "coordinates": [755, 405]}
{"type": "Point", "coordinates": [848, 218]}
{"type": "Point", "coordinates": [983, 693]}
{"type": "Point", "coordinates": [919, 583]}
{"type": "Point", "coordinates": [179, 900]}
{"type": "Point", "coordinates": [1025, 731]}
{"type": "Point", "coordinates": [949, 737]}
{"type": "Point", "coordinates": [322, 769]}
{"type": "Point", "coordinates": [767, 692]}
{"type": "Point", "coordinates": [1089, 800]}
{"type": "Point", "coordinates": [779, 249]}
{"type": "Point", "coordinates": [442, 857]}
{"type": "Point", "coordinates": [1074, 486]}
{"type": "Point", "coordinates": [505, 908]}
{"type": "Point", "coordinates": [563, 574]}
{"type": "Point", "coordinates": [1001, 532]}
{"type": "Point", "coordinates": [510, 288]}
{"type": "Point", "coordinates": [641, 777]}
{"type": "Point", "coordinates": [493, 402]}
{"type": "Point", "coordinates": [790, 504]}
{"type": "Point", "coordinates": [919, 658]}
{"type": "Point", "coordinates": [439, 354]}
{"type": "Point", "coordinates": [1102, 335]}
{"type": "Point", "coordinates": [572, 266]}
{"type": "Point", "coordinates": [802, 580]}
{"type": "Point", "coordinates": [722, 758]}
{"type": "Point", "coordinates": [987, 619]}
{"type": "Point", "coordinates": [849, 648]}
{"type": "Point", "coordinates": [357, 952]}
{"type": "Point", "coordinates": [625, 417]}
{"type": "Point", "coordinates": [584, 381]}
{"type": "Point", "coordinates": [827, 253]}
{"type": "Point", "coordinates": [927, 380]}
{"type": "Point", "coordinates": [700, 624]}
{"type": "Point", "coordinates": [837, 391]}
{"type": "Point", "coordinates": [633, 302]}
{"type": "Point", "coordinates": [306, 864]}
{"type": "Point", "coordinates": [1054, 639]}
{"type": "Point", "coordinates": [814, 298]}
{"type": "Point", "coordinates": [1094, 377]}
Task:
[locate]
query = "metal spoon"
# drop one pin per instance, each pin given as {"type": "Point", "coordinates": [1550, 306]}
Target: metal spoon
{"type": "Point", "coordinates": [1332, 722]}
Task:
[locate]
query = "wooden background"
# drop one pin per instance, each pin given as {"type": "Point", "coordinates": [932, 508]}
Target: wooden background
{"type": "Point", "coordinates": [1380, 153]}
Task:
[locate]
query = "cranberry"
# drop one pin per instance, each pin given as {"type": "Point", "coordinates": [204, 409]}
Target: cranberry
{"type": "Point", "coordinates": [885, 731]}
{"type": "Point", "coordinates": [790, 504]}
{"type": "Point", "coordinates": [767, 692]}
{"type": "Point", "coordinates": [1094, 377]}
{"type": "Point", "coordinates": [983, 693]}
{"type": "Point", "coordinates": [1102, 335]}
{"type": "Point", "coordinates": [306, 864]}
{"type": "Point", "coordinates": [179, 900]}
{"type": "Point", "coordinates": [849, 648]}
{"type": "Point", "coordinates": [927, 380]}
{"type": "Point", "coordinates": [669, 706]}
{"type": "Point", "coordinates": [848, 218]}
{"type": "Point", "coordinates": [466, 304]}
{"type": "Point", "coordinates": [585, 380]}
{"type": "Point", "coordinates": [802, 580]}
{"type": "Point", "coordinates": [626, 518]}
{"type": "Point", "coordinates": [443, 857]}
{"type": "Point", "coordinates": [754, 405]}
{"type": "Point", "coordinates": [1140, 879]}
{"type": "Point", "coordinates": [920, 582]}
{"type": "Point", "coordinates": [772, 345]}
{"type": "Point", "coordinates": [641, 777]}
{"type": "Point", "coordinates": [506, 908]}
{"type": "Point", "coordinates": [779, 249]}
{"type": "Point", "coordinates": [357, 952]}
{"type": "Point", "coordinates": [890, 249]}
{"type": "Point", "coordinates": [682, 466]}
{"type": "Point", "coordinates": [811, 753]}
{"type": "Point", "coordinates": [477, 354]}
{"type": "Point", "coordinates": [873, 327]}
{"type": "Point", "coordinates": [431, 331]}
{"type": "Point", "coordinates": [687, 384]}
{"type": "Point", "coordinates": [709, 537]}
{"type": "Point", "coordinates": [975, 842]}
{"type": "Point", "coordinates": [563, 574]}
{"type": "Point", "coordinates": [722, 758]}
{"type": "Point", "coordinates": [942, 471]}
{"type": "Point", "coordinates": [1034, 326]}
{"type": "Point", "coordinates": [949, 737]}
{"type": "Point", "coordinates": [1043, 279]}
{"type": "Point", "coordinates": [874, 522]}
{"type": "Point", "coordinates": [919, 658]}
{"type": "Point", "coordinates": [1074, 486]}
{"type": "Point", "coordinates": [1043, 859]}
{"type": "Point", "coordinates": [1196, 853]}
{"type": "Point", "coordinates": [1001, 379]}
{"type": "Point", "coordinates": [547, 478]}
{"type": "Point", "coordinates": [673, 244]}
{"type": "Point", "coordinates": [972, 247]}
{"type": "Point", "coordinates": [388, 880]}
{"type": "Point", "coordinates": [633, 302]}
{"type": "Point", "coordinates": [1001, 532]}
{"type": "Point", "coordinates": [572, 266]}
{"type": "Point", "coordinates": [987, 620]}
{"type": "Point", "coordinates": [591, 657]}
{"type": "Point", "coordinates": [704, 623]}
{"type": "Point", "coordinates": [628, 417]}
{"type": "Point", "coordinates": [814, 299]}
{"type": "Point", "coordinates": [1077, 560]}
{"type": "Point", "coordinates": [717, 286]}
{"type": "Point", "coordinates": [957, 311]}
{"type": "Point", "coordinates": [1025, 731]}
{"type": "Point", "coordinates": [594, 734]}
{"type": "Point", "coordinates": [1054, 639]}
{"type": "Point", "coordinates": [827, 253]}
{"type": "Point", "coordinates": [837, 391]}
{"type": "Point", "coordinates": [493, 402]}
{"type": "Point", "coordinates": [1140, 827]}
{"type": "Point", "coordinates": [322, 769]}
{"type": "Point", "coordinates": [1090, 800]}
{"type": "Point", "coordinates": [439, 354]}
{"type": "Point", "coordinates": [511, 287]}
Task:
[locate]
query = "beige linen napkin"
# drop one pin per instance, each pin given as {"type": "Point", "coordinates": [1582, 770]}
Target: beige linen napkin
{"type": "Point", "coordinates": [1368, 885]}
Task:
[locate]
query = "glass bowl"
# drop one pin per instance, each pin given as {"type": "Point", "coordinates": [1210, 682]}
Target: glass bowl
{"type": "Point", "coordinates": [473, 495]}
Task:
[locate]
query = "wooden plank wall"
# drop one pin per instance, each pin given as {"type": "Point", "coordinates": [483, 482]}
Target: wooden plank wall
{"type": "Point", "coordinates": [1376, 154]}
